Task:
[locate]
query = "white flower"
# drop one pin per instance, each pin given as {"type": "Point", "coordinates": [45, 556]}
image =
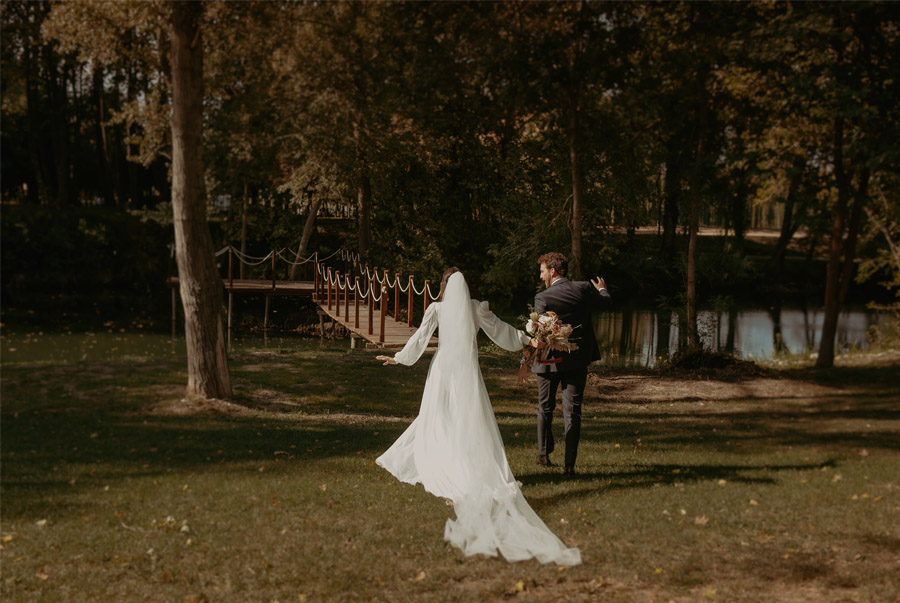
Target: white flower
{"type": "Point", "coordinates": [545, 319]}
{"type": "Point", "coordinates": [529, 327]}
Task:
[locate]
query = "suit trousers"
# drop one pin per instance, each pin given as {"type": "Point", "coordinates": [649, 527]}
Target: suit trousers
{"type": "Point", "coordinates": [572, 383]}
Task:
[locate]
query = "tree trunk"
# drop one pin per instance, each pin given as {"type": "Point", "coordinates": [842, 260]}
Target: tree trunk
{"type": "Point", "coordinates": [739, 214]}
{"type": "Point", "coordinates": [788, 228]}
{"type": "Point", "coordinates": [40, 191]}
{"type": "Point", "coordinates": [59, 127]}
{"type": "Point", "coordinates": [102, 144]}
{"type": "Point", "coordinates": [577, 192]}
{"type": "Point", "coordinates": [200, 285]}
{"type": "Point", "coordinates": [670, 207]}
{"type": "Point", "coordinates": [574, 150]}
{"type": "Point", "coordinates": [693, 331]}
{"type": "Point", "coordinates": [694, 227]}
{"type": "Point", "coordinates": [859, 201]}
{"type": "Point", "coordinates": [243, 231]}
{"type": "Point", "coordinates": [833, 274]}
{"type": "Point", "coordinates": [314, 204]}
{"type": "Point", "coordinates": [363, 192]}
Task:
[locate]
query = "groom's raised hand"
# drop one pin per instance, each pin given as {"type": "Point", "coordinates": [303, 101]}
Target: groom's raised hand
{"type": "Point", "coordinates": [599, 283]}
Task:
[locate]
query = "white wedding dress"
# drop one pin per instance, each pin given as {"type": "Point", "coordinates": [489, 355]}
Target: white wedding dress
{"type": "Point", "coordinates": [453, 447]}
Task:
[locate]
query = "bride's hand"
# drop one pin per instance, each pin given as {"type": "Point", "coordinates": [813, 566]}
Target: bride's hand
{"type": "Point", "coordinates": [386, 359]}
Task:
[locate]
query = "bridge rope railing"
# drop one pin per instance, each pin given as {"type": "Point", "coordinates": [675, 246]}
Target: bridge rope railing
{"type": "Point", "coordinates": [235, 256]}
{"type": "Point", "coordinates": [366, 286]}
{"type": "Point", "coordinates": [349, 282]}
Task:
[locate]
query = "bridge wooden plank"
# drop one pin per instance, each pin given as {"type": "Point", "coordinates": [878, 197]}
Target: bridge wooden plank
{"type": "Point", "coordinates": [396, 333]}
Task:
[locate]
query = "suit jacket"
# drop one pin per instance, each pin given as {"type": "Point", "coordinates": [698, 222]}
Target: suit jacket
{"type": "Point", "coordinates": [573, 302]}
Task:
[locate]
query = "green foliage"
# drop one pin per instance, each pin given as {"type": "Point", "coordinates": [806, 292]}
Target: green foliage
{"type": "Point", "coordinates": [91, 252]}
{"type": "Point", "coordinates": [456, 119]}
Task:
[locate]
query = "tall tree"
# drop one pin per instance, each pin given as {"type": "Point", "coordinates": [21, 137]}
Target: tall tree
{"type": "Point", "coordinates": [201, 290]}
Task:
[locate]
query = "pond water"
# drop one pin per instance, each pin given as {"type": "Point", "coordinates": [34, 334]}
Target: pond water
{"type": "Point", "coordinates": [628, 337]}
{"type": "Point", "coordinates": [642, 337]}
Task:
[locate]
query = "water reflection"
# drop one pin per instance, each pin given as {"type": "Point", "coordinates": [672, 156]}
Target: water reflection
{"type": "Point", "coordinates": [642, 337]}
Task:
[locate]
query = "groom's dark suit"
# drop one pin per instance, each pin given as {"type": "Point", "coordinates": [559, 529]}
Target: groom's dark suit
{"type": "Point", "coordinates": [573, 302]}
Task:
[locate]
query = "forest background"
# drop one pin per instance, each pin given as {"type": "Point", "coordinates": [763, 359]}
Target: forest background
{"type": "Point", "coordinates": [462, 133]}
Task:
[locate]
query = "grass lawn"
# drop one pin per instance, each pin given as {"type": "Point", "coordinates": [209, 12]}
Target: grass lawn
{"type": "Point", "coordinates": [783, 486]}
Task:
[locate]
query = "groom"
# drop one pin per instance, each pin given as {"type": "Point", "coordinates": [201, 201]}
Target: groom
{"type": "Point", "coordinates": [573, 303]}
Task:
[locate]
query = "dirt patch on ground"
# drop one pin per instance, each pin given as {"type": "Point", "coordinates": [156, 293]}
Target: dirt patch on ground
{"type": "Point", "coordinates": [645, 388]}
{"type": "Point", "coordinates": [740, 380]}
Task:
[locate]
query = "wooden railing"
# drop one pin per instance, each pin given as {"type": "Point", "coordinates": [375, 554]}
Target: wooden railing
{"type": "Point", "coordinates": [365, 285]}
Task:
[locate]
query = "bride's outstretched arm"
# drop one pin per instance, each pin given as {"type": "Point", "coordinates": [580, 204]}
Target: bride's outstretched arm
{"type": "Point", "coordinates": [505, 335]}
{"type": "Point", "coordinates": [416, 345]}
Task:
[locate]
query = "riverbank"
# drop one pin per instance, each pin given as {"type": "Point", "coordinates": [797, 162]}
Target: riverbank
{"type": "Point", "coordinates": [753, 484]}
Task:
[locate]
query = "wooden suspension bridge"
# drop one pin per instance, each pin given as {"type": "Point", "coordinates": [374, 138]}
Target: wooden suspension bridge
{"type": "Point", "coordinates": [372, 305]}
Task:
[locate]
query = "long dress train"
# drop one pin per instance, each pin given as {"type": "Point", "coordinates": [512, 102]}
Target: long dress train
{"type": "Point", "coordinates": [453, 447]}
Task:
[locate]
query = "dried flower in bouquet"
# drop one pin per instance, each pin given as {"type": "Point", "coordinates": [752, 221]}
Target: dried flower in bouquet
{"type": "Point", "coordinates": [551, 334]}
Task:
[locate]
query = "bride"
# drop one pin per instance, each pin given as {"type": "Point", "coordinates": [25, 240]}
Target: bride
{"type": "Point", "coordinates": [453, 447]}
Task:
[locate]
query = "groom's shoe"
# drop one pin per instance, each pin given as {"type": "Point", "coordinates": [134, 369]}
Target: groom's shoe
{"type": "Point", "coordinates": [544, 460]}
{"type": "Point", "coordinates": [569, 470]}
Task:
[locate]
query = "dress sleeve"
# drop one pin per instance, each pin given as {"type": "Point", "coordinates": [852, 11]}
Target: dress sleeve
{"type": "Point", "coordinates": [501, 333]}
{"type": "Point", "coordinates": [416, 345]}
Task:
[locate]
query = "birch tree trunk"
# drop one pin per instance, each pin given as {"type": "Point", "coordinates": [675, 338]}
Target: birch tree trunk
{"type": "Point", "coordinates": [200, 284]}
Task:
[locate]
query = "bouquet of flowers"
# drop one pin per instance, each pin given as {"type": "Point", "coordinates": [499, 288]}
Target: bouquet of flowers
{"type": "Point", "coordinates": [551, 334]}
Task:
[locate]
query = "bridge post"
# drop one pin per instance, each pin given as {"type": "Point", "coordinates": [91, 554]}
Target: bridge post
{"type": "Point", "coordinates": [347, 299]}
{"type": "Point", "coordinates": [316, 279]}
{"type": "Point", "coordinates": [409, 303]}
{"type": "Point", "coordinates": [426, 296]}
{"type": "Point", "coordinates": [383, 310]}
{"type": "Point", "coordinates": [337, 293]}
{"type": "Point", "coordinates": [371, 293]}
{"type": "Point", "coordinates": [397, 296]}
{"type": "Point", "coordinates": [328, 287]}
{"type": "Point", "coordinates": [385, 285]}
{"type": "Point", "coordinates": [230, 269]}
{"type": "Point", "coordinates": [356, 301]}
{"type": "Point", "coordinates": [273, 270]}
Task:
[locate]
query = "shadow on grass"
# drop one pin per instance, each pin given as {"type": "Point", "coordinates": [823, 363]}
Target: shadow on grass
{"type": "Point", "coordinates": [50, 456]}
{"type": "Point", "coordinates": [648, 476]}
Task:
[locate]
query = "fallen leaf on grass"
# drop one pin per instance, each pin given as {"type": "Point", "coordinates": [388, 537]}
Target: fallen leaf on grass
{"type": "Point", "coordinates": [420, 576]}
{"type": "Point", "coordinates": [42, 575]}
{"type": "Point", "coordinates": [520, 586]}
{"type": "Point", "coordinates": [323, 487]}
{"type": "Point", "coordinates": [753, 503]}
{"type": "Point", "coordinates": [701, 520]}
{"type": "Point", "coordinates": [7, 538]}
